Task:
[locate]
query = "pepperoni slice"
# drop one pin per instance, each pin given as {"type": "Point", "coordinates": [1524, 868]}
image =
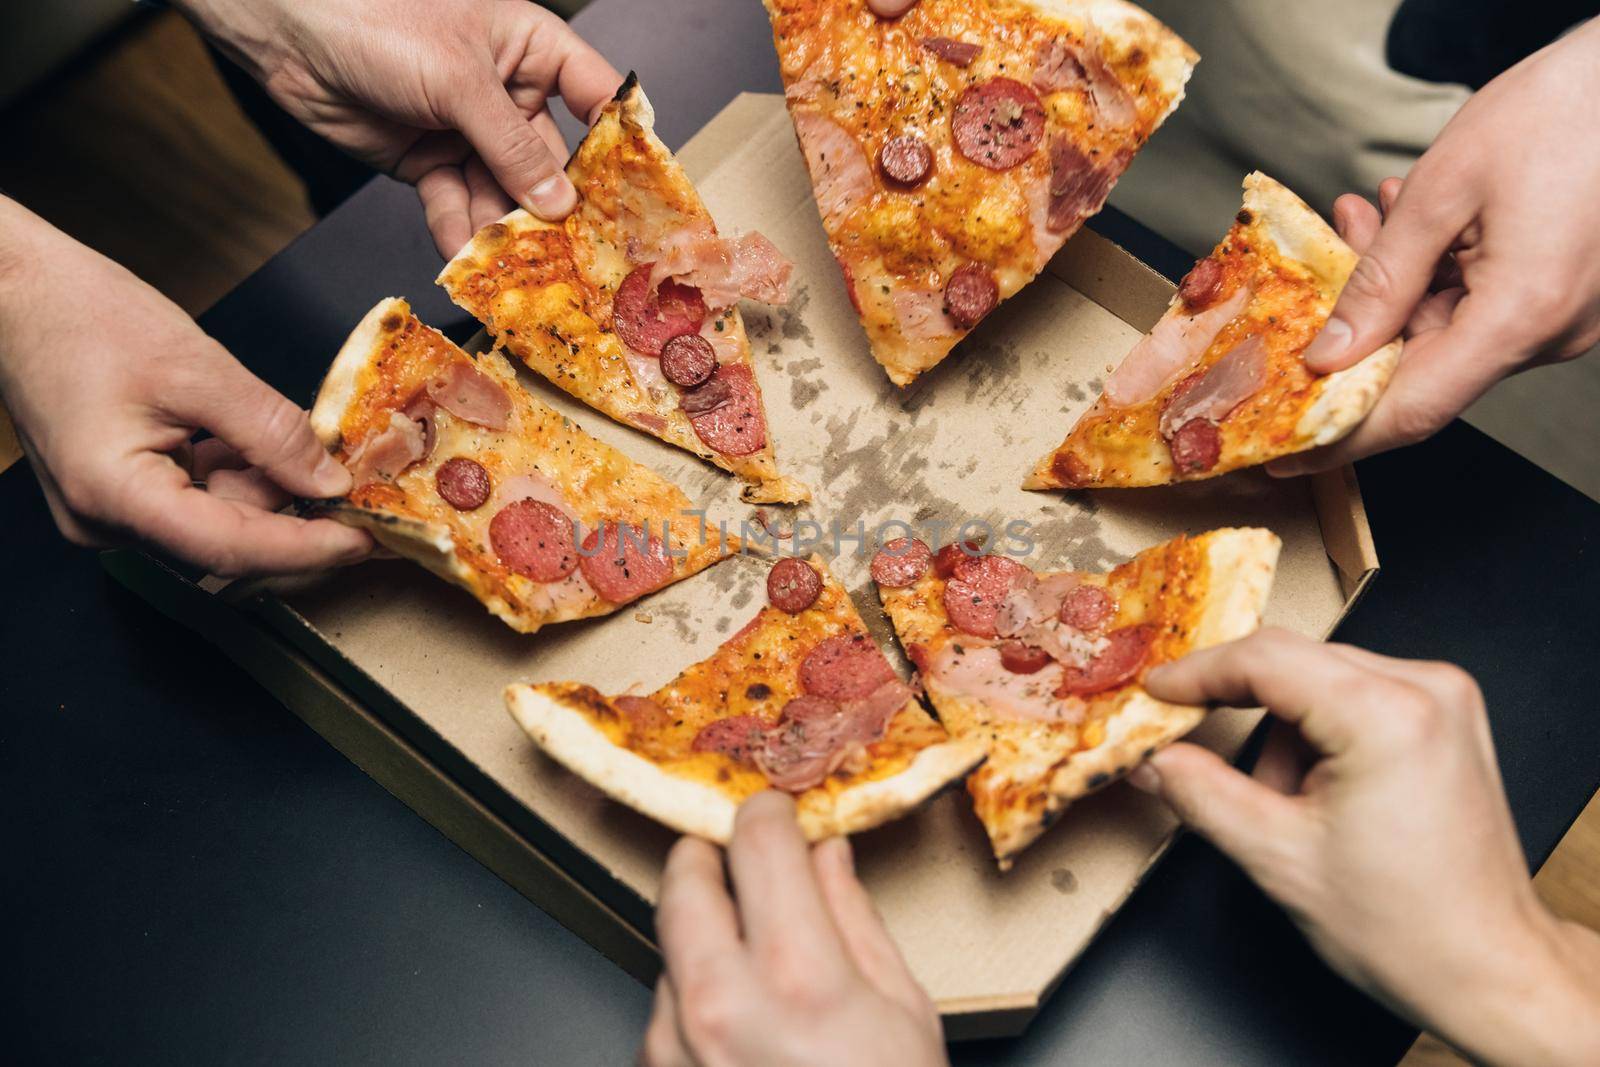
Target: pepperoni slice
{"type": "Point", "coordinates": [1202, 285]}
{"type": "Point", "coordinates": [1087, 607]}
{"type": "Point", "coordinates": [945, 560]}
{"type": "Point", "coordinates": [463, 483]}
{"type": "Point", "coordinates": [1116, 664]}
{"type": "Point", "coordinates": [1196, 446]}
{"type": "Point", "coordinates": [970, 294]}
{"type": "Point", "coordinates": [905, 159]}
{"type": "Point", "coordinates": [646, 321]}
{"type": "Point", "coordinates": [844, 667]}
{"type": "Point", "coordinates": [793, 585]}
{"type": "Point", "coordinates": [735, 427]}
{"type": "Point", "coordinates": [624, 562]}
{"type": "Point", "coordinates": [977, 588]}
{"type": "Point", "coordinates": [534, 539]}
{"type": "Point", "coordinates": [736, 737]}
{"type": "Point", "coordinates": [688, 360]}
{"type": "Point", "coordinates": [998, 123]}
{"type": "Point", "coordinates": [901, 562]}
{"type": "Point", "coordinates": [1019, 658]}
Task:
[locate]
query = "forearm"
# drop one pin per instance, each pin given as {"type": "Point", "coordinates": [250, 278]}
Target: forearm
{"type": "Point", "coordinates": [1538, 1001]}
{"type": "Point", "coordinates": [24, 244]}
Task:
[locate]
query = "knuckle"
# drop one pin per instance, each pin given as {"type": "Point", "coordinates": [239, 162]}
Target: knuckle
{"type": "Point", "coordinates": [1372, 281]}
{"type": "Point", "coordinates": [708, 1014]}
{"type": "Point", "coordinates": [1410, 718]}
{"type": "Point", "coordinates": [1459, 689]}
{"type": "Point", "coordinates": [1413, 418]}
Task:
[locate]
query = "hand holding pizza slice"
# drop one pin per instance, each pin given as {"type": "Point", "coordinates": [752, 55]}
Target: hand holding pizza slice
{"type": "Point", "coordinates": [457, 467]}
{"type": "Point", "coordinates": [1044, 669]}
{"type": "Point", "coordinates": [631, 303]}
{"type": "Point", "coordinates": [800, 699]}
{"type": "Point", "coordinates": [1220, 382]}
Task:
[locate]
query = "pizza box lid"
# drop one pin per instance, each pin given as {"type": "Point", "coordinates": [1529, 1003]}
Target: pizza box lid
{"type": "Point", "coordinates": [404, 673]}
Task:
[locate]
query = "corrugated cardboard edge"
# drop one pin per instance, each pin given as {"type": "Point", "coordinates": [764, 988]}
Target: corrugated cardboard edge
{"type": "Point", "coordinates": [329, 709]}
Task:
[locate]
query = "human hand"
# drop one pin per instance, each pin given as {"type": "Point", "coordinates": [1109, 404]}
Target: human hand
{"type": "Point", "coordinates": [1377, 818]}
{"type": "Point", "coordinates": [108, 380]}
{"type": "Point", "coordinates": [794, 968]}
{"type": "Point", "coordinates": [1483, 259]}
{"type": "Point", "coordinates": [449, 95]}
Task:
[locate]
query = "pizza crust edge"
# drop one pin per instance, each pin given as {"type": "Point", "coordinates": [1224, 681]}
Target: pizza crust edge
{"type": "Point", "coordinates": [570, 737]}
{"type": "Point", "coordinates": [1242, 562]}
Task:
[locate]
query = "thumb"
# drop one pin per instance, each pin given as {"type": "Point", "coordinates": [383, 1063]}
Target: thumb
{"type": "Point", "coordinates": [1247, 820]}
{"type": "Point", "coordinates": [270, 432]}
{"type": "Point", "coordinates": [1388, 282]}
{"type": "Point", "coordinates": [519, 158]}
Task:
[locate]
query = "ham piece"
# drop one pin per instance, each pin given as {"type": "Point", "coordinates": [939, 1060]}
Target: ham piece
{"type": "Point", "coordinates": [840, 173]}
{"type": "Point", "coordinates": [1059, 67]}
{"type": "Point", "coordinates": [468, 393]}
{"type": "Point", "coordinates": [1220, 388]}
{"type": "Point", "coordinates": [383, 455]}
{"type": "Point", "coordinates": [724, 269]}
{"type": "Point", "coordinates": [1171, 349]}
{"type": "Point", "coordinates": [814, 736]}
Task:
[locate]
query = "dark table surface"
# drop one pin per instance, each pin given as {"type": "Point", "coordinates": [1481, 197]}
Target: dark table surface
{"type": "Point", "coordinates": [193, 875]}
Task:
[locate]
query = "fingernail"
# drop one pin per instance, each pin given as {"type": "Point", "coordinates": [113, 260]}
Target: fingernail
{"type": "Point", "coordinates": [1145, 778]}
{"type": "Point", "coordinates": [331, 477]}
{"type": "Point", "coordinates": [1285, 468]}
{"type": "Point", "coordinates": [1328, 345]}
{"type": "Point", "coordinates": [552, 198]}
{"type": "Point", "coordinates": [1154, 675]}
{"type": "Point", "coordinates": [847, 855]}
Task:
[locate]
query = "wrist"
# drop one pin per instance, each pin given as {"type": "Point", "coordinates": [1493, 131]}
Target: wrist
{"type": "Point", "coordinates": [1536, 1000]}
{"type": "Point", "coordinates": [250, 32]}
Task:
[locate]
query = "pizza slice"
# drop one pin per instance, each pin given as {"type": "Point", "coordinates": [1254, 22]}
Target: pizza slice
{"type": "Point", "coordinates": [952, 150]}
{"type": "Point", "coordinates": [631, 303]}
{"type": "Point", "coordinates": [800, 699]}
{"type": "Point", "coordinates": [1044, 668]}
{"type": "Point", "coordinates": [457, 467]}
{"type": "Point", "coordinates": [1219, 383]}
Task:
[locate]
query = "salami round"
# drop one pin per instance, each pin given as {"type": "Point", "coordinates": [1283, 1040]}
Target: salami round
{"type": "Point", "coordinates": [1087, 607]}
{"type": "Point", "coordinates": [534, 539]}
{"type": "Point", "coordinates": [998, 123]}
{"type": "Point", "coordinates": [945, 560]}
{"type": "Point", "coordinates": [736, 427]}
{"type": "Point", "coordinates": [646, 321]}
{"type": "Point", "coordinates": [905, 159]}
{"type": "Point", "coordinates": [844, 667]}
{"type": "Point", "coordinates": [1019, 658]}
{"type": "Point", "coordinates": [463, 483]}
{"type": "Point", "coordinates": [1196, 446]}
{"type": "Point", "coordinates": [1202, 285]}
{"type": "Point", "coordinates": [793, 585]}
{"type": "Point", "coordinates": [688, 360]}
{"type": "Point", "coordinates": [736, 737]}
{"type": "Point", "coordinates": [970, 294]}
{"type": "Point", "coordinates": [976, 589]}
{"type": "Point", "coordinates": [901, 562]}
{"type": "Point", "coordinates": [624, 562]}
{"type": "Point", "coordinates": [1116, 664]}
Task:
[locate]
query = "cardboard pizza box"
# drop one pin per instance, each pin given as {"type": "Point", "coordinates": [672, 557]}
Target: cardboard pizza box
{"type": "Point", "coordinates": [404, 673]}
